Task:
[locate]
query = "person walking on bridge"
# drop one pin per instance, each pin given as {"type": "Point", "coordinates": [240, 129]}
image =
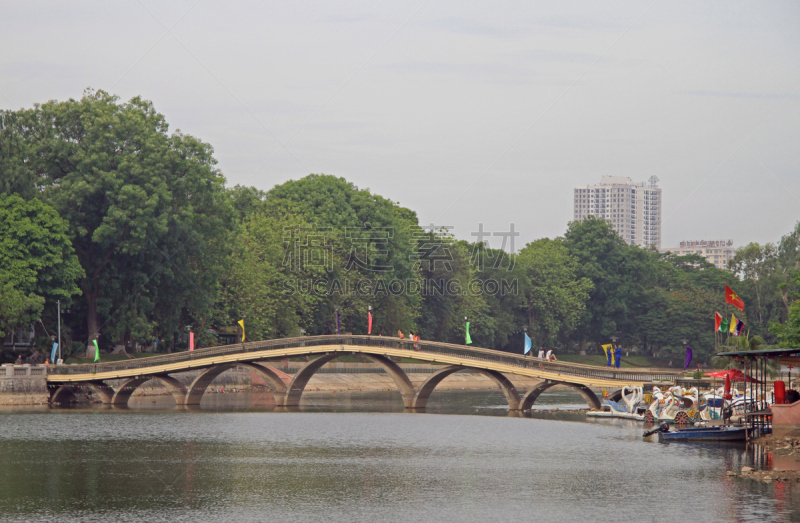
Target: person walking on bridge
{"type": "Point", "coordinates": [551, 356]}
{"type": "Point", "coordinates": [541, 357]}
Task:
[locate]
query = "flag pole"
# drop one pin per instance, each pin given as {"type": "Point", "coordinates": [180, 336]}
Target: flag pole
{"type": "Point", "coordinates": [728, 330]}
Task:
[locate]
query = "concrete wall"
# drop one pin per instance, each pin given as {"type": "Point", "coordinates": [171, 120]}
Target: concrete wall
{"type": "Point", "coordinates": [787, 415]}
{"type": "Point", "coordinates": [23, 385]}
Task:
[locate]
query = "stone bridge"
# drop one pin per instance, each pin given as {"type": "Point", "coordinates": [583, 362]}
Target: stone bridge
{"type": "Point", "coordinates": [320, 350]}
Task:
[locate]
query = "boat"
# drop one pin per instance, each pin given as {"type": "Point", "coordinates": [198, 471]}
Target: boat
{"type": "Point", "coordinates": [696, 434]}
{"type": "Point", "coordinates": [612, 409]}
{"type": "Point", "coordinates": [630, 408]}
{"type": "Point", "coordinates": [677, 405]}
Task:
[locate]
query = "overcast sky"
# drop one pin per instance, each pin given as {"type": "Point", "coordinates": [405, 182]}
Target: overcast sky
{"type": "Point", "coordinates": [464, 112]}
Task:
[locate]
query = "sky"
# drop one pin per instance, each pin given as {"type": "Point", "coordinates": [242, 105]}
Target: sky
{"type": "Point", "coordinates": [464, 112]}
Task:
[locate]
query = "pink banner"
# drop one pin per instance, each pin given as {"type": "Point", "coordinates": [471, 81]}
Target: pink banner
{"type": "Point", "coordinates": [191, 341]}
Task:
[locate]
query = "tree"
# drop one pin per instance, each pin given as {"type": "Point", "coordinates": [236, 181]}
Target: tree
{"type": "Point", "coordinates": [136, 199]}
{"type": "Point", "coordinates": [555, 298]}
{"type": "Point", "coordinates": [37, 262]}
{"type": "Point", "coordinates": [368, 240]}
{"type": "Point", "coordinates": [246, 200]}
{"type": "Point", "coordinates": [275, 297]}
{"type": "Point", "coordinates": [788, 333]}
{"type": "Point", "coordinates": [619, 276]}
{"type": "Point", "coordinates": [16, 307]}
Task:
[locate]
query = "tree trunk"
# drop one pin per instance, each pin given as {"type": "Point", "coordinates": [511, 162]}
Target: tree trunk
{"type": "Point", "coordinates": [583, 346]}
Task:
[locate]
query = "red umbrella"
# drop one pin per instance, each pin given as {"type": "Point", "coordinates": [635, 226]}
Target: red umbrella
{"type": "Point", "coordinates": [733, 375]}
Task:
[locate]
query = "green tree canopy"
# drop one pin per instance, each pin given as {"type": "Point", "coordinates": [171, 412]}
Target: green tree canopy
{"type": "Point", "coordinates": [138, 203]}
{"type": "Point", "coordinates": [37, 262]}
{"type": "Point", "coordinates": [555, 298]}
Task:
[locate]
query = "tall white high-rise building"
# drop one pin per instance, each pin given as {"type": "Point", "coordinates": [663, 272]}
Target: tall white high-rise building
{"type": "Point", "coordinates": [634, 210]}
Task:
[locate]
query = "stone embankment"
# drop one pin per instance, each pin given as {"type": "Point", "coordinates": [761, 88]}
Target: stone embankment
{"type": "Point", "coordinates": [23, 385]}
{"type": "Point", "coordinates": [783, 449]}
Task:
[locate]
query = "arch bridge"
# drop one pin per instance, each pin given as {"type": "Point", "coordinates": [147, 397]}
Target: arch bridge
{"type": "Point", "coordinates": [213, 361]}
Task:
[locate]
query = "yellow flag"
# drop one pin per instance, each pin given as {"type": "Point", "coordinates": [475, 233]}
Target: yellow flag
{"type": "Point", "coordinates": [607, 348]}
{"type": "Point", "coordinates": [734, 321]}
{"type": "Point", "coordinates": [241, 322]}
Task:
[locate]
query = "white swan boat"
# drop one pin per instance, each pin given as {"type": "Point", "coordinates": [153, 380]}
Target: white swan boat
{"type": "Point", "coordinates": [630, 407]}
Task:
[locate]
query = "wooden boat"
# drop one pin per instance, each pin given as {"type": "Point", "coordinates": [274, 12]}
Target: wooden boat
{"type": "Point", "coordinates": [699, 434]}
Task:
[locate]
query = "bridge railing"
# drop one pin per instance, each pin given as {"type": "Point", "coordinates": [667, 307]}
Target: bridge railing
{"type": "Point", "coordinates": [378, 342]}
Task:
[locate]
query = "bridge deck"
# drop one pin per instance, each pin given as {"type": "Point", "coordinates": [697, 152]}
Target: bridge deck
{"type": "Point", "coordinates": [435, 352]}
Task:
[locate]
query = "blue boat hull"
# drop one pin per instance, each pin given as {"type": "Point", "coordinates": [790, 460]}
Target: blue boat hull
{"type": "Point", "coordinates": [705, 434]}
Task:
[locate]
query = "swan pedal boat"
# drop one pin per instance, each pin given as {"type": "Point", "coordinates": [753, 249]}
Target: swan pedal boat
{"type": "Point", "coordinates": [631, 406]}
{"type": "Point", "coordinates": [614, 410]}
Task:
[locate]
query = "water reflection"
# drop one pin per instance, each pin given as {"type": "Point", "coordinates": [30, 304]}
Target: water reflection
{"type": "Point", "coordinates": [359, 457]}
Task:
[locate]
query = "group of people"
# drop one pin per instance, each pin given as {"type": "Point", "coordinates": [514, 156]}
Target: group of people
{"type": "Point", "coordinates": [37, 358]}
{"type": "Point", "coordinates": [550, 356]}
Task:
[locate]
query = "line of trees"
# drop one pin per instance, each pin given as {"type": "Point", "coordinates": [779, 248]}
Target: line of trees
{"type": "Point", "coordinates": [134, 230]}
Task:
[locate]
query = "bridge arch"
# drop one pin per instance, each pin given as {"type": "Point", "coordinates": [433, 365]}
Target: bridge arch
{"type": "Point", "coordinates": [530, 398]}
{"type": "Point", "coordinates": [298, 384]}
{"type": "Point", "coordinates": [427, 388]}
{"type": "Point", "coordinates": [62, 395]}
{"type": "Point", "coordinates": [198, 387]}
{"type": "Point", "coordinates": [129, 386]}
{"type": "Point", "coordinates": [66, 393]}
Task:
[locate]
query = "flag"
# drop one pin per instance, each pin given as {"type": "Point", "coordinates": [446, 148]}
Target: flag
{"type": "Point", "coordinates": [191, 340]}
{"type": "Point", "coordinates": [723, 325]}
{"type": "Point", "coordinates": [53, 352]}
{"type": "Point", "coordinates": [241, 324]}
{"type": "Point", "coordinates": [717, 321]}
{"type": "Point", "coordinates": [609, 352]}
{"type": "Point", "coordinates": [528, 344]}
{"type": "Point", "coordinates": [739, 328]}
{"type": "Point", "coordinates": [96, 351]}
{"type": "Point", "coordinates": [732, 326]}
{"type": "Point", "coordinates": [688, 358]}
{"type": "Point", "coordinates": [369, 323]}
{"type": "Point", "coordinates": [468, 340]}
{"type": "Point", "coordinates": [733, 298]}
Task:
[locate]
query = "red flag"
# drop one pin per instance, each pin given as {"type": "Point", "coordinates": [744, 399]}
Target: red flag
{"type": "Point", "coordinates": [733, 298]}
{"type": "Point", "coordinates": [369, 323]}
{"type": "Point", "coordinates": [717, 321]}
{"type": "Point", "coordinates": [191, 341]}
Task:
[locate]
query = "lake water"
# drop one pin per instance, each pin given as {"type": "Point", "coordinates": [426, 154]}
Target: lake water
{"type": "Point", "coordinates": [359, 457]}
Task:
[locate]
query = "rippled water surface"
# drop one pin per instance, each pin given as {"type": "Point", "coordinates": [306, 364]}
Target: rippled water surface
{"type": "Point", "coordinates": [358, 457]}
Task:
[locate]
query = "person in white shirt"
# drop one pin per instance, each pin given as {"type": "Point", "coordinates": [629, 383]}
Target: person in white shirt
{"type": "Point", "coordinates": [549, 354]}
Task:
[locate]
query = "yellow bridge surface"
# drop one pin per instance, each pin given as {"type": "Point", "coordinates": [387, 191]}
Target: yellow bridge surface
{"type": "Point", "coordinates": [203, 361]}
